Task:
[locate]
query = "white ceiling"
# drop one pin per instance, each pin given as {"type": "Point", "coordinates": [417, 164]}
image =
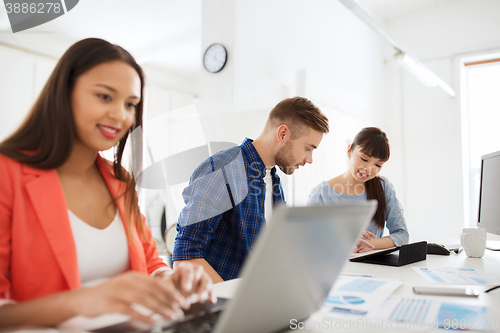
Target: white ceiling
{"type": "Point", "coordinates": [385, 9]}
{"type": "Point", "coordinates": [162, 33]}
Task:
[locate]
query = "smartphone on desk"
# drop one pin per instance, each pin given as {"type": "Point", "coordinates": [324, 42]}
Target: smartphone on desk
{"type": "Point", "coordinates": [440, 291]}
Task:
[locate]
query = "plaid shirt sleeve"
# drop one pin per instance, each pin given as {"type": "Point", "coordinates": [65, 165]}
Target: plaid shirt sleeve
{"type": "Point", "coordinates": [206, 196]}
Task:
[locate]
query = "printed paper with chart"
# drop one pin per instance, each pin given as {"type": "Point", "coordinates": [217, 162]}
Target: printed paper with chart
{"type": "Point", "coordinates": [358, 295]}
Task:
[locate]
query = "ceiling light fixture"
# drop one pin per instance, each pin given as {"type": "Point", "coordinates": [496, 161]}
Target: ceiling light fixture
{"type": "Point", "coordinates": [405, 59]}
{"type": "Point", "coordinates": [421, 72]}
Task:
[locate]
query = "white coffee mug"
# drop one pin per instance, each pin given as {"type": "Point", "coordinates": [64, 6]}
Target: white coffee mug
{"type": "Point", "coordinates": [473, 240]}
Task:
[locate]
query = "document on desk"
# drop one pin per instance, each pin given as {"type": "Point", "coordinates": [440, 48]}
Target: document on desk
{"type": "Point", "coordinates": [368, 301]}
{"type": "Point", "coordinates": [358, 295]}
{"type": "Point", "coordinates": [418, 313]}
{"type": "Point", "coordinates": [457, 275]}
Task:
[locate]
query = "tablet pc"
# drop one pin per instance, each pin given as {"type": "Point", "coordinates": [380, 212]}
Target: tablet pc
{"type": "Point", "coordinates": [370, 254]}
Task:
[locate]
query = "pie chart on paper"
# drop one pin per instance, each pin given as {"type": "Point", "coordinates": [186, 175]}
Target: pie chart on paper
{"type": "Point", "coordinates": [344, 300]}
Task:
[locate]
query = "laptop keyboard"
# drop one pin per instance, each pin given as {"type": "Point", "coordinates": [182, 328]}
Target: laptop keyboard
{"type": "Point", "coordinates": [200, 324]}
{"type": "Point", "coordinates": [200, 318]}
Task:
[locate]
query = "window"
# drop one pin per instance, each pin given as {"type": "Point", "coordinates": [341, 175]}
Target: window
{"type": "Point", "coordinates": [481, 116]}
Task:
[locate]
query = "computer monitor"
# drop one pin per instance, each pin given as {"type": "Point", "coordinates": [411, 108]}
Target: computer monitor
{"type": "Point", "coordinates": [489, 193]}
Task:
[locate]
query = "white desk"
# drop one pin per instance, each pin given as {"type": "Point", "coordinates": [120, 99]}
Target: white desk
{"type": "Point", "coordinates": [490, 263]}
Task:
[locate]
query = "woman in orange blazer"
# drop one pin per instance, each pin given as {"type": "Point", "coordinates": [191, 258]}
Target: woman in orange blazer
{"type": "Point", "coordinates": [51, 165]}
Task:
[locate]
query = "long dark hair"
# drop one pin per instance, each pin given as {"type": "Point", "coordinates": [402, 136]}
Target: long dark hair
{"type": "Point", "coordinates": [373, 142]}
{"type": "Point", "coordinates": [45, 138]}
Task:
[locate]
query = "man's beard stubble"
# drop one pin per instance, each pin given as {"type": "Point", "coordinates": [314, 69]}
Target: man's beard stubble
{"type": "Point", "coordinates": [284, 159]}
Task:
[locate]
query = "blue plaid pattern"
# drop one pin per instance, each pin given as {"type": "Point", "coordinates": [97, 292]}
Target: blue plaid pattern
{"type": "Point", "coordinates": [224, 209]}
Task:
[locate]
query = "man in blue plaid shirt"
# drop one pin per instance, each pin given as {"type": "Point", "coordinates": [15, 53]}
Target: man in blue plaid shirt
{"type": "Point", "coordinates": [226, 196]}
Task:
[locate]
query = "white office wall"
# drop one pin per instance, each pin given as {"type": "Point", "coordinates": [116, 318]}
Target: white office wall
{"type": "Point", "coordinates": [164, 92]}
{"type": "Point", "coordinates": [21, 80]}
{"type": "Point", "coordinates": [340, 56]}
{"type": "Point", "coordinates": [429, 137]}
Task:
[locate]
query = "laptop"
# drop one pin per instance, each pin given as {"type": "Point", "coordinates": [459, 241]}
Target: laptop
{"type": "Point", "coordinates": [288, 274]}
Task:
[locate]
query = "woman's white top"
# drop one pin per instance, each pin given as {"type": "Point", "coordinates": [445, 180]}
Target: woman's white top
{"type": "Point", "coordinates": [101, 253]}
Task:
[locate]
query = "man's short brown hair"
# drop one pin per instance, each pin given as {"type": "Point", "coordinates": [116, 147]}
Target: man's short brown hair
{"type": "Point", "coordinates": [299, 114]}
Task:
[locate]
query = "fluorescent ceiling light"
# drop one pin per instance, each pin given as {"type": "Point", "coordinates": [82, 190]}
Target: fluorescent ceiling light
{"type": "Point", "coordinates": [408, 61]}
{"type": "Point", "coordinates": [425, 75]}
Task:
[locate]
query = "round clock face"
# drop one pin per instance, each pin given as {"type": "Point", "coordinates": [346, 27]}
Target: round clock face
{"type": "Point", "coordinates": [215, 58]}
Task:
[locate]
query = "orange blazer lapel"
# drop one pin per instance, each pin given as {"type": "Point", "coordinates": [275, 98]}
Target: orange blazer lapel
{"type": "Point", "coordinates": [49, 203]}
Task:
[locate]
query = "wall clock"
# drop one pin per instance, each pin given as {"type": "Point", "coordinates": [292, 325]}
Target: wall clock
{"type": "Point", "coordinates": [215, 58]}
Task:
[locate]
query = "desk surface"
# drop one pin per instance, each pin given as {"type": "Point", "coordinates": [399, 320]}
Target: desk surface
{"type": "Point", "coordinates": [490, 263]}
